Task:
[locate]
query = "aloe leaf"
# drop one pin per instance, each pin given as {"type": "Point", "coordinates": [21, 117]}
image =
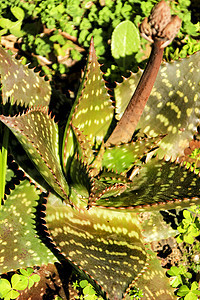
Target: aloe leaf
{"type": "Point", "coordinates": [19, 244]}
{"type": "Point", "coordinates": [173, 106]}
{"type": "Point", "coordinates": [84, 150]}
{"type": "Point", "coordinates": [80, 184]}
{"type": "Point", "coordinates": [154, 227]}
{"type": "Point", "coordinates": [159, 185]}
{"type": "Point", "coordinates": [105, 244]}
{"type": "Point", "coordinates": [92, 112]}
{"type": "Point", "coordinates": [38, 134]}
{"type": "Point", "coordinates": [122, 157]}
{"type": "Point", "coordinates": [154, 282]}
{"type": "Point", "coordinates": [21, 84]}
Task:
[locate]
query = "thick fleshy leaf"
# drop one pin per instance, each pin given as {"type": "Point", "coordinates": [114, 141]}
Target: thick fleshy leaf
{"type": "Point", "coordinates": [22, 84]}
{"type": "Point", "coordinates": [154, 283]}
{"type": "Point", "coordinates": [154, 227]}
{"type": "Point", "coordinates": [103, 243]}
{"type": "Point", "coordinates": [92, 112]}
{"type": "Point", "coordinates": [38, 134]}
{"type": "Point", "coordinates": [107, 185]}
{"type": "Point", "coordinates": [80, 184]}
{"type": "Point", "coordinates": [173, 106]}
{"type": "Point", "coordinates": [159, 185]}
{"type": "Point", "coordinates": [19, 244]}
{"type": "Point", "coordinates": [84, 150]}
{"type": "Point", "coordinates": [122, 157]}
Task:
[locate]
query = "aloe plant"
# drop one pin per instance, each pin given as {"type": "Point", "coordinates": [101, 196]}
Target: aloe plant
{"type": "Point", "coordinates": [91, 181]}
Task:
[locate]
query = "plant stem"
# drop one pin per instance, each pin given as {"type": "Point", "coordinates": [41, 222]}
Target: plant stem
{"type": "Point", "coordinates": [3, 167]}
{"type": "Point", "coordinates": [126, 126]}
{"type": "Point", "coordinates": [3, 160]}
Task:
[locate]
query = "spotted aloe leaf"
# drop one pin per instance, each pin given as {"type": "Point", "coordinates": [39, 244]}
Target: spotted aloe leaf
{"type": "Point", "coordinates": [106, 245]}
{"type": "Point", "coordinates": [21, 84]}
{"type": "Point", "coordinates": [123, 157]}
{"type": "Point", "coordinates": [159, 185]}
{"type": "Point", "coordinates": [153, 282]}
{"type": "Point", "coordinates": [19, 244]}
{"type": "Point", "coordinates": [92, 112]}
{"type": "Point", "coordinates": [154, 226]}
{"type": "Point", "coordinates": [80, 183]}
{"type": "Point", "coordinates": [173, 106]}
{"type": "Point", "coordinates": [38, 134]}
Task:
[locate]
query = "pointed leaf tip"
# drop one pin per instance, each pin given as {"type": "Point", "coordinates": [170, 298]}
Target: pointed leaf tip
{"type": "Point", "coordinates": [21, 84]}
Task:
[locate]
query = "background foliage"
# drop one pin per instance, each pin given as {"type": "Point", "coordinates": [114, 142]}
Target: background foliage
{"type": "Point", "coordinates": [57, 33]}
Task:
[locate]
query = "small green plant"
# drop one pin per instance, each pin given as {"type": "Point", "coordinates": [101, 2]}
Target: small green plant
{"type": "Point", "coordinates": [181, 279]}
{"type": "Point", "coordinates": [189, 227]}
{"type": "Point", "coordinates": [136, 294]}
{"type": "Point", "coordinates": [87, 290]}
{"type": "Point", "coordinates": [25, 279]}
{"type": "Point", "coordinates": [191, 293]}
{"type": "Point", "coordinates": [182, 276]}
{"type": "Point", "coordinates": [68, 23]}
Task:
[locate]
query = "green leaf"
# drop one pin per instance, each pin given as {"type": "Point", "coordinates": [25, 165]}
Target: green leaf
{"type": "Point", "coordinates": [121, 158]}
{"type": "Point", "coordinates": [190, 296]}
{"type": "Point", "coordinates": [176, 281]}
{"type": "Point", "coordinates": [12, 295]}
{"type": "Point", "coordinates": [19, 243]}
{"type": "Point", "coordinates": [194, 286]}
{"type": "Point", "coordinates": [26, 272]}
{"type": "Point", "coordinates": [159, 185]}
{"type": "Point", "coordinates": [19, 282]}
{"type": "Point", "coordinates": [22, 84]}
{"type": "Point", "coordinates": [92, 112]}
{"type": "Point", "coordinates": [34, 278]}
{"type": "Point", "coordinates": [154, 281]}
{"type": "Point", "coordinates": [173, 106]}
{"type": "Point", "coordinates": [187, 215]}
{"type": "Point", "coordinates": [125, 42]}
{"type": "Point", "coordinates": [5, 23]}
{"type": "Point", "coordinates": [80, 185]}
{"type": "Point", "coordinates": [174, 271]}
{"type": "Point", "coordinates": [5, 287]}
{"type": "Point", "coordinates": [106, 244]}
{"type": "Point", "coordinates": [38, 134]}
{"type": "Point", "coordinates": [183, 290]}
{"type": "Point", "coordinates": [154, 228]}
{"type": "Point", "coordinates": [188, 239]}
{"type": "Point", "coordinates": [83, 283]}
{"type": "Point", "coordinates": [18, 12]}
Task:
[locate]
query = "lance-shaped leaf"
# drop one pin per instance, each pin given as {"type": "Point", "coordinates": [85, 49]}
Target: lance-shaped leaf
{"type": "Point", "coordinates": [154, 227]}
{"type": "Point", "coordinates": [103, 243]}
{"type": "Point", "coordinates": [92, 112]}
{"type": "Point", "coordinates": [108, 184]}
{"type": "Point", "coordinates": [84, 150]}
{"type": "Point", "coordinates": [38, 134]}
{"type": "Point", "coordinates": [80, 184]}
{"type": "Point", "coordinates": [159, 185]}
{"type": "Point", "coordinates": [173, 106]}
{"type": "Point", "coordinates": [122, 157]}
{"type": "Point", "coordinates": [19, 244]}
{"type": "Point", "coordinates": [154, 283]}
{"type": "Point", "coordinates": [22, 84]}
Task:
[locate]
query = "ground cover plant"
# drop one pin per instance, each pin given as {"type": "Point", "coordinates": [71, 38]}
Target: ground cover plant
{"type": "Point", "coordinates": [57, 33]}
{"type": "Point", "coordinates": [95, 172]}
